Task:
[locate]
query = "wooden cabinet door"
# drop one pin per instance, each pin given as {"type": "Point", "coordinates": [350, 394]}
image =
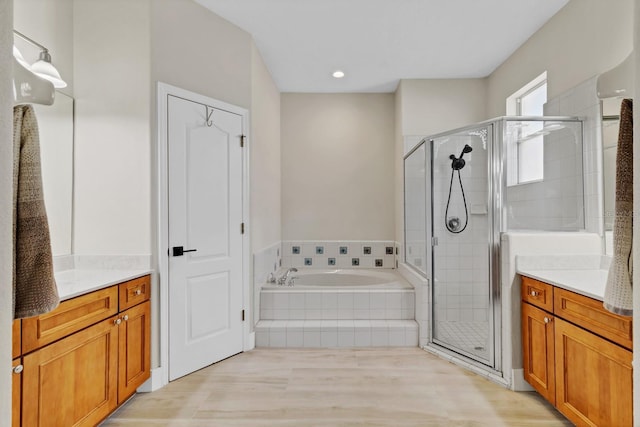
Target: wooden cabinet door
{"type": "Point", "coordinates": [593, 377]}
{"type": "Point", "coordinates": [538, 350]}
{"type": "Point", "coordinates": [134, 359]}
{"type": "Point", "coordinates": [16, 395]}
{"type": "Point", "coordinates": [72, 382]}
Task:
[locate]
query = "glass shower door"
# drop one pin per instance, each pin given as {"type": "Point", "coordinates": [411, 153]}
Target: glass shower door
{"type": "Point", "coordinates": [462, 309]}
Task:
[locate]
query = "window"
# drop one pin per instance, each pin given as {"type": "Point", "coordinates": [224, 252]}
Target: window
{"type": "Point", "coordinates": [525, 149]}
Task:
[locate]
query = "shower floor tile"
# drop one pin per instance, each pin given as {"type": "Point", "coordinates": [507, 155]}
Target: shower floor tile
{"type": "Point", "coordinates": [471, 337]}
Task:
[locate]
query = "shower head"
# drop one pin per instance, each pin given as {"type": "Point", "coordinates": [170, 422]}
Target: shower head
{"type": "Point", "coordinates": [458, 163]}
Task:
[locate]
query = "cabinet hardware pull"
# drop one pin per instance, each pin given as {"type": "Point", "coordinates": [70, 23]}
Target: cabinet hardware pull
{"type": "Point", "coordinates": [547, 319]}
{"type": "Point", "coordinates": [117, 321]}
{"type": "Point", "coordinates": [125, 318]}
{"type": "Point", "coordinates": [18, 369]}
{"type": "Point", "coordinates": [534, 293]}
{"type": "Point", "coordinates": [137, 292]}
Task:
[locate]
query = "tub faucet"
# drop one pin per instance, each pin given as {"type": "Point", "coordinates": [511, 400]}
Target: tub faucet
{"type": "Point", "coordinates": [283, 280]}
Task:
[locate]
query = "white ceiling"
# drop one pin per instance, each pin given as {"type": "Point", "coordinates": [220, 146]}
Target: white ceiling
{"type": "Point", "coordinates": [378, 42]}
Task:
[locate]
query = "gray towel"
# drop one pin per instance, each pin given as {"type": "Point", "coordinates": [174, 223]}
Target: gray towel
{"type": "Point", "coordinates": [618, 296]}
{"type": "Point", "coordinates": [34, 287]}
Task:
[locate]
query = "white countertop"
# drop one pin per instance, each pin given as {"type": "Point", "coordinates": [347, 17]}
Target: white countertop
{"type": "Point", "coordinates": [588, 282]}
{"type": "Point", "coordinates": [73, 283]}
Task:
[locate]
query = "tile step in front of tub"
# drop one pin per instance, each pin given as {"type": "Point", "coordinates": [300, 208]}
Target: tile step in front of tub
{"type": "Point", "coordinates": [336, 333]}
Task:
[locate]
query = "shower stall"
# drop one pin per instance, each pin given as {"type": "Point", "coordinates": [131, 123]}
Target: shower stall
{"type": "Point", "coordinates": [465, 187]}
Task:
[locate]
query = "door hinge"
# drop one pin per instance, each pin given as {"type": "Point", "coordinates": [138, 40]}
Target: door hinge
{"type": "Point", "coordinates": [242, 228]}
{"type": "Point", "coordinates": [243, 315]}
{"type": "Point", "coordinates": [434, 241]}
{"type": "Point", "coordinates": [242, 138]}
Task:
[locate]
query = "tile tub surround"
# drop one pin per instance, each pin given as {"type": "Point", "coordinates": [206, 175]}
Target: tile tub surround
{"type": "Point", "coordinates": [336, 333]}
{"type": "Point", "coordinates": [291, 304]}
{"type": "Point", "coordinates": [334, 317]}
{"type": "Point", "coordinates": [265, 262]}
{"type": "Point", "coordinates": [339, 253]}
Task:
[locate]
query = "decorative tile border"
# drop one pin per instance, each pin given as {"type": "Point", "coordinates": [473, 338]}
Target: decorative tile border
{"type": "Point", "coordinates": [339, 254]}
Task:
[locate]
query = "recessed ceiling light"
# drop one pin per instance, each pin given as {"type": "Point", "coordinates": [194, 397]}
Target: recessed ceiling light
{"type": "Point", "coordinates": [338, 74]}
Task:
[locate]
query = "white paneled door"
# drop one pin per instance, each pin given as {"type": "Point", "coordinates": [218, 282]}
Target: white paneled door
{"type": "Point", "coordinates": [205, 241]}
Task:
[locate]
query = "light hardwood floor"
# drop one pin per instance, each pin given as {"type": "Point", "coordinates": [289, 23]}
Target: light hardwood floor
{"type": "Point", "coordinates": [398, 387]}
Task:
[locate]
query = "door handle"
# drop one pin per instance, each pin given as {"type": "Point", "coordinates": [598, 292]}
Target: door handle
{"type": "Point", "coordinates": [179, 250]}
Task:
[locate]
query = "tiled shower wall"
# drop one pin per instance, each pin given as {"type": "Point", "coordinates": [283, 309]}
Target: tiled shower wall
{"type": "Point", "coordinates": [582, 101]}
{"type": "Point", "coordinates": [555, 203]}
{"type": "Point", "coordinates": [339, 254]}
{"type": "Point", "coordinates": [461, 277]}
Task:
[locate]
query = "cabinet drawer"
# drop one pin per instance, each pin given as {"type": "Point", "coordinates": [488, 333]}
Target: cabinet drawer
{"type": "Point", "coordinates": [70, 316]}
{"type": "Point", "coordinates": [17, 345]}
{"type": "Point", "coordinates": [134, 292]}
{"type": "Point", "coordinates": [537, 293]}
{"type": "Point", "coordinates": [589, 314]}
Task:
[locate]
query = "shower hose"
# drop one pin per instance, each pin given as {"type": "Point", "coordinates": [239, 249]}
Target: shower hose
{"type": "Point", "coordinates": [464, 200]}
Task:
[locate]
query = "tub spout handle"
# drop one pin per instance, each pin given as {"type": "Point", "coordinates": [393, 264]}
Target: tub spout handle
{"type": "Point", "coordinates": [283, 280]}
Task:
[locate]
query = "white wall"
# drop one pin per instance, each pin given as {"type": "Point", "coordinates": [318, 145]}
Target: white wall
{"type": "Point", "coordinates": [583, 39]}
{"type": "Point", "coordinates": [49, 23]}
{"type": "Point", "coordinates": [438, 105]}
{"type": "Point", "coordinates": [264, 141]}
{"type": "Point", "coordinates": [337, 166]}
{"type": "Point", "coordinates": [6, 209]}
{"type": "Point", "coordinates": [112, 140]}
{"type": "Point", "coordinates": [194, 49]}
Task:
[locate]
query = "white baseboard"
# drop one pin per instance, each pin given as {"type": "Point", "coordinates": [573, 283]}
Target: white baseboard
{"type": "Point", "coordinates": [517, 381]}
{"type": "Point", "coordinates": [153, 383]}
{"type": "Point", "coordinates": [250, 342]}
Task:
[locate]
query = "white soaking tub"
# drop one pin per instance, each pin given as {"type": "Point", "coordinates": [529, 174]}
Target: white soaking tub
{"type": "Point", "coordinates": [342, 279]}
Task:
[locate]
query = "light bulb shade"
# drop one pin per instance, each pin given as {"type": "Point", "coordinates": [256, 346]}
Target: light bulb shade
{"type": "Point", "coordinates": [46, 70]}
{"type": "Point", "coordinates": [20, 58]}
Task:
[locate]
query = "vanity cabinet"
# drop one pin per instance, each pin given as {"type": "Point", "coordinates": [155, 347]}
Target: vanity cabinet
{"type": "Point", "coordinates": [86, 357]}
{"type": "Point", "coordinates": [577, 355]}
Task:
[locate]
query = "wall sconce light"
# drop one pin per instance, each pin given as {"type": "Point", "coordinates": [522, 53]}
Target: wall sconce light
{"type": "Point", "coordinates": [43, 66]}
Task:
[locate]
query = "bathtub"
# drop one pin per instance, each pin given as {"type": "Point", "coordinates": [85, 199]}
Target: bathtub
{"type": "Point", "coordinates": [354, 279]}
{"type": "Point", "coordinates": [338, 308]}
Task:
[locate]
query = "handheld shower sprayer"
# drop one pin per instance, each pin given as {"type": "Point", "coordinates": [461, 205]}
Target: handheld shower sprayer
{"type": "Point", "coordinates": [453, 224]}
{"type": "Point", "coordinates": [458, 163]}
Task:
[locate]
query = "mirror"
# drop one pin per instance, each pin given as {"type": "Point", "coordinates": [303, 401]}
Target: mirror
{"type": "Point", "coordinates": [55, 125]}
